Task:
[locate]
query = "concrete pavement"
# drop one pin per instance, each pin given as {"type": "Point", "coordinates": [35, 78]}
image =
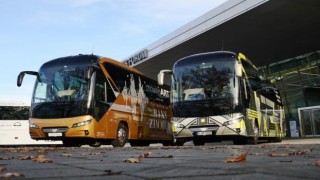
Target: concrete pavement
{"type": "Point", "coordinates": [290, 159]}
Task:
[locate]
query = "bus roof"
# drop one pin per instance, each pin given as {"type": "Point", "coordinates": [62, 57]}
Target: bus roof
{"type": "Point", "coordinates": [120, 64]}
{"type": "Point", "coordinates": [13, 103]}
{"type": "Point", "coordinates": [207, 54]}
{"type": "Point", "coordinates": [95, 59]}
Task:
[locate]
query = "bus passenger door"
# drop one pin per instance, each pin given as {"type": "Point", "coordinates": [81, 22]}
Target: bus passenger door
{"type": "Point", "coordinates": [104, 97]}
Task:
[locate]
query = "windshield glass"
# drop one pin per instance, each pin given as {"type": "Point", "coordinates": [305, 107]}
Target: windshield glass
{"type": "Point", "coordinates": [14, 112]}
{"type": "Point", "coordinates": [205, 85]}
{"type": "Point", "coordinates": [63, 90]}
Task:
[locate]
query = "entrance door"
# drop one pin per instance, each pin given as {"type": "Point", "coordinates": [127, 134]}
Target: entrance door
{"type": "Point", "coordinates": [316, 121]}
{"type": "Point", "coordinates": [310, 121]}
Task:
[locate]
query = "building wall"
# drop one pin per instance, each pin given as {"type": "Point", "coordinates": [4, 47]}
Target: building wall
{"type": "Point", "coordinates": [299, 84]}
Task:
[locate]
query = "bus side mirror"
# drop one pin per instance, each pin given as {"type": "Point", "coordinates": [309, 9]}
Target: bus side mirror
{"type": "Point", "coordinates": [238, 69]}
{"type": "Point", "coordinates": [161, 76]}
{"type": "Point", "coordinates": [88, 72]}
{"type": "Point", "coordinates": [21, 76]}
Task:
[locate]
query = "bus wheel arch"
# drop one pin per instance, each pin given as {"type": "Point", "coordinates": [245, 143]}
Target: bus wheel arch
{"type": "Point", "coordinates": [121, 135]}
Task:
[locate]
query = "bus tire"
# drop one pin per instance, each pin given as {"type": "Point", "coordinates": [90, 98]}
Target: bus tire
{"type": "Point", "coordinates": [70, 143]}
{"type": "Point", "coordinates": [121, 136]}
{"type": "Point", "coordinates": [277, 139]}
{"type": "Point", "coordinates": [198, 142]}
{"type": "Point", "coordinates": [168, 143]}
{"type": "Point", "coordinates": [239, 141]}
{"type": "Point", "coordinates": [180, 142]}
{"type": "Point", "coordinates": [139, 143]}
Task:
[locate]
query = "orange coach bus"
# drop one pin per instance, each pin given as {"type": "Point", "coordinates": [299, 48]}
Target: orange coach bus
{"type": "Point", "coordinates": [88, 99]}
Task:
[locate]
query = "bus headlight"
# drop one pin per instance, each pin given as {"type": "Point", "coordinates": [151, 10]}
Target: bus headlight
{"type": "Point", "coordinates": [34, 126]}
{"type": "Point", "coordinates": [233, 121]}
{"type": "Point", "coordinates": [176, 125]}
{"type": "Point", "coordinates": [83, 123]}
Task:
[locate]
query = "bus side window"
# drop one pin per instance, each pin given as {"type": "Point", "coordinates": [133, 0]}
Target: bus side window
{"type": "Point", "coordinates": [101, 96]}
{"type": "Point", "coordinates": [253, 76]}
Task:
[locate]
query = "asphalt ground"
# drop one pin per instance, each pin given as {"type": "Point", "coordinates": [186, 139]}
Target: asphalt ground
{"type": "Point", "coordinates": [290, 159]}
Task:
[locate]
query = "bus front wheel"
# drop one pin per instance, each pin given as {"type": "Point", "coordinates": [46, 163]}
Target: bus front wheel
{"type": "Point", "coordinates": [198, 142]}
{"type": "Point", "coordinates": [121, 137]}
{"type": "Point", "coordinates": [71, 143]}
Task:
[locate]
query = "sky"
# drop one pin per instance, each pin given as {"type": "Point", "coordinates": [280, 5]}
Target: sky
{"type": "Point", "coordinates": [34, 32]}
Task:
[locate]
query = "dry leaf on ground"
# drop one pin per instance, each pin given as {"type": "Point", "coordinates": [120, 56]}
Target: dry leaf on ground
{"type": "Point", "coordinates": [317, 163]}
{"type": "Point", "coordinates": [2, 168]}
{"type": "Point", "coordinates": [110, 172]}
{"type": "Point", "coordinates": [66, 155]}
{"type": "Point", "coordinates": [96, 153]}
{"type": "Point", "coordinates": [169, 156]}
{"type": "Point", "coordinates": [241, 158]}
{"type": "Point", "coordinates": [132, 160]}
{"type": "Point", "coordinates": [42, 159]}
{"type": "Point", "coordinates": [6, 158]}
{"type": "Point", "coordinates": [279, 155]}
{"type": "Point", "coordinates": [300, 152]}
{"type": "Point", "coordinates": [25, 157]}
{"type": "Point", "coordinates": [10, 175]}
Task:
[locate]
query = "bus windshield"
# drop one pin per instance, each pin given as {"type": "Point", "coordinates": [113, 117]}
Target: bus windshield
{"type": "Point", "coordinates": [205, 87]}
{"type": "Point", "coordinates": [63, 90]}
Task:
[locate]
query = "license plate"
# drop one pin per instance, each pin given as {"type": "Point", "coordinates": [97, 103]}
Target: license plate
{"type": "Point", "coordinates": [54, 134]}
{"type": "Point", "coordinates": [204, 133]}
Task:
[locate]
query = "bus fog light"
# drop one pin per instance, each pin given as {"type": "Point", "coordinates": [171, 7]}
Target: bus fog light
{"type": "Point", "coordinates": [86, 132]}
{"type": "Point", "coordinates": [83, 123]}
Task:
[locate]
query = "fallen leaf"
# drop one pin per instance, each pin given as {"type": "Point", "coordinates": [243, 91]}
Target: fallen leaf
{"type": "Point", "coordinates": [300, 152]}
{"type": "Point", "coordinates": [140, 156]}
{"type": "Point", "coordinates": [96, 153]}
{"type": "Point", "coordinates": [169, 156]}
{"type": "Point", "coordinates": [317, 163]}
{"type": "Point", "coordinates": [42, 159]}
{"type": "Point", "coordinates": [25, 157]}
{"type": "Point", "coordinates": [110, 172]}
{"type": "Point", "coordinates": [42, 151]}
{"type": "Point", "coordinates": [9, 175]}
{"type": "Point", "coordinates": [256, 154]}
{"type": "Point", "coordinates": [279, 155]}
{"type": "Point", "coordinates": [2, 168]}
{"type": "Point", "coordinates": [262, 146]}
{"type": "Point", "coordinates": [240, 158]}
{"type": "Point", "coordinates": [132, 160]}
{"type": "Point", "coordinates": [66, 155]}
{"type": "Point", "coordinates": [145, 155]}
{"type": "Point", "coordinates": [6, 158]}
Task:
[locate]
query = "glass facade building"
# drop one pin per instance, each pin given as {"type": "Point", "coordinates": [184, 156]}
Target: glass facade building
{"type": "Point", "coordinates": [298, 79]}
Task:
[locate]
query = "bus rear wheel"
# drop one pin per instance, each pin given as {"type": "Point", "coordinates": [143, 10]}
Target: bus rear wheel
{"type": "Point", "coordinates": [139, 143]}
{"type": "Point", "coordinates": [121, 137]}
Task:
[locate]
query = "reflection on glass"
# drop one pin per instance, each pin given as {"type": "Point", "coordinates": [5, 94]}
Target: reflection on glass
{"type": "Point", "coordinates": [63, 90]}
{"type": "Point", "coordinates": [210, 81]}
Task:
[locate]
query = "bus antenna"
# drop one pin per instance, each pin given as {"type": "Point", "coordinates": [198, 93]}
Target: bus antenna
{"type": "Point", "coordinates": [92, 49]}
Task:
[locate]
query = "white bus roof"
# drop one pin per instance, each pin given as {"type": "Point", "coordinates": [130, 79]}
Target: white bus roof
{"type": "Point", "coordinates": [13, 103]}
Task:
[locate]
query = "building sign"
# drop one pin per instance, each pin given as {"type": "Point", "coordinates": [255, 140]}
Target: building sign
{"type": "Point", "coordinates": [136, 58]}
